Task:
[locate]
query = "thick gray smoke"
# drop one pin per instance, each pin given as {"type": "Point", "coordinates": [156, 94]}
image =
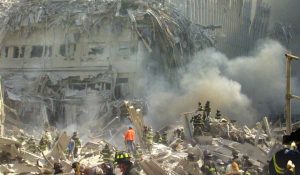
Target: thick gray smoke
{"type": "Point", "coordinates": [244, 88]}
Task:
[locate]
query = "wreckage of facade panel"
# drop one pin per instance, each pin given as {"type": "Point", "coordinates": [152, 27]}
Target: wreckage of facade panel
{"type": "Point", "coordinates": [59, 56]}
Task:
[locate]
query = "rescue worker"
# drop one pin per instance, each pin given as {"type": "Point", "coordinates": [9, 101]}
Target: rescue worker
{"type": "Point", "coordinates": [287, 160]}
{"type": "Point", "coordinates": [48, 139]}
{"type": "Point", "coordinates": [157, 137]}
{"type": "Point", "coordinates": [182, 133]}
{"type": "Point", "coordinates": [77, 144]}
{"type": "Point", "coordinates": [107, 169]}
{"type": "Point", "coordinates": [70, 148]}
{"type": "Point", "coordinates": [164, 138]}
{"type": "Point", "coordinates": [207, 110]}
{"type": "Point", "coordinates": [138, 154]}
{"type": "Point", "coordinates": [149, 140]}
{"type": "Point", "coordinates": [200, 108]}
{"type": "Point", "coordinates": [107, 154]}
{"type": "Point", "coordinates": [179, 133]}
{"type": "Point", "coordinates": [145, 131]}
{"type": "Point", "coordinates": [77, 168]}
{"type": "Point", "coordinates": [250, 170]}
{"type": "Point", "coordinates": [247, 166]}
{"type": "Point", "coordinates": [125, 165]}
{"type": "Point", "coordinates": [209, 167]}
{"type": "Point", "coordinates": [190, 165]}
{"type": "Point", "coordinates": [138, 157]}
{"type": "Point", "coordinates": [31, 146]}
{"type": "Point", "coordinates": [43, 144]}
{"type": "Point", "coordinates": [218, 115]}
{"type": "Point", "coordinates": [129, 139]}
{"type": "Point", "coordinates": [58, 168]}
{"type": "Point", "coordinates": [197, 124]}
{"type": "Point", "coordinates": [221, 166]}
{"type": "Point", "coordinates": [235, 157]}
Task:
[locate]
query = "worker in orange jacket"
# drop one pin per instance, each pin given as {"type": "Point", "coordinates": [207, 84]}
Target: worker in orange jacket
{"type": "Point", "coordinates": [129, 139]}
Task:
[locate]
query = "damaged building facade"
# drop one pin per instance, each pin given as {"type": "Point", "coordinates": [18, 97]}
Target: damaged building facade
{"type": "Point", "coordinates": [240, 23]}
{"type": "Point", "coordinates": [63, 61]}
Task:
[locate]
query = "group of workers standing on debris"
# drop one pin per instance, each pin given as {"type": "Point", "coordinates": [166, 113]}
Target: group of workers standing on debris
{"type": "Point", "coordinates": [201, 121]}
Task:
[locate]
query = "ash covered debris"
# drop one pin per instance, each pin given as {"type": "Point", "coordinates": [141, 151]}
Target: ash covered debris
{"type": "Point", "coordinates": [223, 147]}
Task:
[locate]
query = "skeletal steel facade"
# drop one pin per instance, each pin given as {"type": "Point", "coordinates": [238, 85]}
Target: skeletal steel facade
{"type": "Point", "coordinates": [243, 22]}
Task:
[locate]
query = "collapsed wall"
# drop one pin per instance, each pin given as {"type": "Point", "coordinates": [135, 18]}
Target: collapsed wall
{"type": "Point", "coordinates": [69, 62]}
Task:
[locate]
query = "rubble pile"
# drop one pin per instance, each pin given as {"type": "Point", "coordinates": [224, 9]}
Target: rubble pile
{"type": "Point", "coordinates": [172, 151]}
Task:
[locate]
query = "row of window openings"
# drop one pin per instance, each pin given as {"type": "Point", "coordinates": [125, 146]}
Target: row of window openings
{"type": "Point", "coordinates": [39, 51]}
{"type": "Point", "coordinates": [64, 50]}
{"type": "Point", "coordinates": [92, 86]}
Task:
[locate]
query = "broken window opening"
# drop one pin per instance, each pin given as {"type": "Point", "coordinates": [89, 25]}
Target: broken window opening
{"type": "Point", "coordinates": [96, 48]}
{"type": "Point", "coordinates": [67, 50]}
{"type": "Point", "coordinates": [96, 51]}
{"type": "Point", "coordinates": [6, 52]}
{"type": "Point", "coordinates": [62, 50]}
{"type": "Point", "coordinates": [16, 52]}
{"type": "Point", "coordinates": [91, 86]}
{"type": "Point", "coordinates": [121, 80]}
{"type": "Point", "coordinates": [36, 51]}
{"type": "Point", "coordinates": [118, 93]}
{"type": "Point", "coordinates": [22, 53]}
{"type": "Point", "coordinates": [78, 86]}
{"type": "Point", "coordinates": [107, 86]}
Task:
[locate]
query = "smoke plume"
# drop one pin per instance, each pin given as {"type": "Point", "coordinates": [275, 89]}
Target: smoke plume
{"type": "Point", "coordinates": [243, 88]}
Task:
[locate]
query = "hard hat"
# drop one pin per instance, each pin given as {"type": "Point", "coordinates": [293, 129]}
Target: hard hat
{"type": "Point", "coordinates": [107, 167]}
{"type": "Point", "coordinates": [75, 164]}
{"type": "Point", "coordinates": [191, 155]}
{"type": "Point", "coordinates": [206, 152]}
{"type": "Point", "coordinates": [245, 156]}
{"type": "Point", "coordinates": [209, 155]}
{"type": "Point", "coordinates": [235, 153]}
{"type": "Point", "coordinates": [130, 127]}
{"type": "Point", "coordinates": [122, 157]}
{"type": "Point", "coordinates": [220, 162]}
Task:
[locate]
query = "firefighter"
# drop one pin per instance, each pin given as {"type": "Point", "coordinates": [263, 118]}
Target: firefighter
{"type": "Point", "coordinates": [218, 115]}
{"type": "Point", "coordinates": [149, 140]}
{"type": "Point", "coordinates": [48, 138]}
{"type": "Point", "coordinates": [31, 146]}
{"type": "Point", "coordinates": [107, 154]}
{"type": "Point", "coordinates": [164, 138]}
{"type": "Point", "coordinates": [58, 168]}
{"type": "Point", "coordinates": [77, 168]}
{"type": "Point", "coordinates": [197, 124]}
{"type": "Point", "coordinates": [287, 160]}
{"type": "Point", "coordinates": [157, 137]}
{"type": "Point", "coordinates": [235, 157]}
{"type": "Point", "coordinates": [145, 131]}
{"type": "Point", "coordinates": [209, 167]}
{"type": "Point", "coordinates": [207, 110]}
{"type": "Point", "coordinates": [77, 144]}
{"type": "Point", "coordinates": [43, 144]}
{"type": "Point", "coordinates": [138, 154]}
{"type": "Point", "coordinates": [200, 108]}
{"type": "Point", "coordinates": [125, 165]}
{"type": "Point", "coordinates": [107, 169]}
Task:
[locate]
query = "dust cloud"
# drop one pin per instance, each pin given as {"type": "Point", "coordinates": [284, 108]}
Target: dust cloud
{"type": "Point", "coordinates": [243, 88]}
